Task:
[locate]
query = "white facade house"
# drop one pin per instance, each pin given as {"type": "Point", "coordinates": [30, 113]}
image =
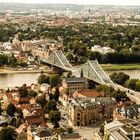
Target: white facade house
{"type": "Point", "coordinates": [44, 87]}
{"type": "Point", "coordinates": [43, 135]}
{"type": "Point", "coordinates": [103, 50]}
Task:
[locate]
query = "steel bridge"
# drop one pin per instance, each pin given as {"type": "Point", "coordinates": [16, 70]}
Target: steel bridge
{"type": "Point", "coordinates": [90, 70]}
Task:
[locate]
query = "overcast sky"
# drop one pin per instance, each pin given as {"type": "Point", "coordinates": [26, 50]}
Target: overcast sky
{"type": "Point", "coordinates": [104, 2]}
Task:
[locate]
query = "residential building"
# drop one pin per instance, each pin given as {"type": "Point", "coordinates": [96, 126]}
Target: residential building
{"type": "Point", "coordinates": [74, 84]}
{"type": "Point", "coordinates": [45, 87]}
{"type": "Point", "coordinates": [103, 50]}
{"type": "Point", "coordinates": [83, 111]}
{"type": "Point", "coordinates": [40, 133]}
{"type": "Point", "coordinates": [129, 111]}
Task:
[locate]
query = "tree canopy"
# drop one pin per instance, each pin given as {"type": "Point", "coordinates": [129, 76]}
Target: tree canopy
{"type": "Point", "coordinates": [119, 78]}
{"type": "Point", "coordinates": [8, 133]}
{"type": "Point", "coordinates": [11, 109]}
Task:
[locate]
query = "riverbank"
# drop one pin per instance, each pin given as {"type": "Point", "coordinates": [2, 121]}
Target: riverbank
{"type": "Point", "coordinates": [4, 71]}
{"type": "Point", "coordinates": [113, 67]}
{"type": "Point", "coordinates": [106, 67]}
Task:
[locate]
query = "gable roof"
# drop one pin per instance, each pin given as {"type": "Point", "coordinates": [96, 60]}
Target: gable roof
{"type": "Point", "coordinates": [35, 120]}
{"type": "Point", "coordinates": [75, 79]}
{"type": "Point", "coordinates": [44, 133]}
{"type": "Point", "coordinates": [70, 135]}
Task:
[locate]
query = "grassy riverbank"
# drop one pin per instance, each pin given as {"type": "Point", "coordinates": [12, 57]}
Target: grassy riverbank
{"type": "Point", "coordinates": [111, 67]}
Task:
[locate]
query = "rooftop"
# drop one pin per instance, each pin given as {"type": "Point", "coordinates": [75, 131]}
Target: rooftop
{"type": "Point", "coordinates": [129, 129]}
{"type": "Point", "coordinates": [75, 79]}
{"type": "Point", "coordinates": [115, 124]}
{"type": "Point", "coordinates": [118, 135]}
{"type": "Point", "coordinates": [70, 135]}
{"type": "Point", "coordinates": [43, 133]}
{"type": "Point", "coordinates": [128, 120]}
{"type": "Point", "coordinates": [91, 102]}
{"type": "Point", "coordinates": [89, 93]}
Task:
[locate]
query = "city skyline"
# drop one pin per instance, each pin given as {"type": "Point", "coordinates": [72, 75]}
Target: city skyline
{"type": "Point", "coordinates": [93, 2]}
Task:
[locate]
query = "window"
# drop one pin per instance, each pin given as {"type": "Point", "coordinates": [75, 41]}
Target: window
{"type": "Point", "coordinates": [78, 114]}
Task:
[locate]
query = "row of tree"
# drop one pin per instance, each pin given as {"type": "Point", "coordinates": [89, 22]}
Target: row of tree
{"type": "Point", "coordinates": [53, 80]}
{"type": "Point", "coordinates": [116, 58]}
{"type": "Point", "coordinates": [78, 40]}
{"type": "Point", "coordinates": [7, 60]}
{"type": "Point", "coordinates": [111, 92]}
{"type": "Point", "coordinates": [24, 92]}
{"type": "Point", "coordinates": [124, 80]}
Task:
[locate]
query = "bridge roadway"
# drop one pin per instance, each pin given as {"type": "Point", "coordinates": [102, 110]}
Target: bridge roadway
{"type": "Point", "coordinates": [133, 95]}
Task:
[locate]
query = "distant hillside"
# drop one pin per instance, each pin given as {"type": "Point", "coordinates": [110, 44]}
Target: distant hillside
{"type": "Point", "coordinates": [27, 7]}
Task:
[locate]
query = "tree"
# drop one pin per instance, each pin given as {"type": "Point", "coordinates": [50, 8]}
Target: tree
{"type": "Point", "coordinates": [138, 85]}
{"type": "Point", "coordinates": [69, 130]}
{"type": "Point", "coordinates": [110, 91]}
{"type": "Point", "coordinates": [119, 78]}
{"type": "Point", "coordinates": [0, 109]}
{"type": "Point", "coordinates": [55, 117]}
{"type": "Point", "coordinates": [32, 93]}
{"type": "Point", "coordinates": [60, 130]}
{"type": "Point", "coordinates": [94, 56]}
{"type": "Point", "coordinates": [69, 56]}
{"type": "Point", "coordinates": [8, 133]}
{"type": "Point", "coordinates": [23, 91]}
{"type": "Point", "coordinates": [91, 84]}
{"type": "Point", "coordinates": [20, 113]}
{"type": "Point", "coordinates": [131, 83]}
{"type": "Point", "coordinates": [56, 94]}
{"type": "Point", "coordinates": [15, 122]}
{"type": "Point", "coordinates": [50, 105]}
{"type": "Point", "coordinates": [101, 130]}
{"type": "Point", "coordinates": [12, 60]}
{"type": "Point", "coordinates": [118, 95]}
{"type": "Point", "coordinates": [41, 100]}
{"type": "Point", "coordinates": [43, 79]}
{"type": "Point", "coordinates": [11, 109]}
{"type": "Point", "coordinates": [69, 74]}
{"type": "Point", "coordinates": [54, 80]}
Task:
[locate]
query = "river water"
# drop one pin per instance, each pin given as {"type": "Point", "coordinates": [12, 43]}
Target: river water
{"type": "Point", "coordinates": [18, 79]}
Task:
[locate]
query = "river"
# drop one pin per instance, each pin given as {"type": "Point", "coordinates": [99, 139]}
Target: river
{"type": "Point", "coordinates": [18, 79]}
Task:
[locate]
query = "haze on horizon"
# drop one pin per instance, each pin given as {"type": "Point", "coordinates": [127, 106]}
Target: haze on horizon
{"type": "Point", "coordinates": [94, 2]}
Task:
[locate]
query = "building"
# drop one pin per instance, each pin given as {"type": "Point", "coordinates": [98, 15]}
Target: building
{"type": "Point", "coordinates": [103, 50]}
{"type": "Point", "coordinates": [74, 84]}
{"type": "Point", "coordinates": [69, 136]}
{"type": "Point", "coordinates": [34, 116]}
{"type": "Point", "coordinates": [41, 133]}
{"type": "Point", "coordinates": [87, 93]}
{"type": "Point", "coordinates": [45, 87]}
{"type": "Point", "coordinates": [83, 111]}
{"type": "Point", "coordinates": [121, 130]}
{"type": "Point", "coordinates": [129, 111]}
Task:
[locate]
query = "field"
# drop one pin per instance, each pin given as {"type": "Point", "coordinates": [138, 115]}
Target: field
{"type": "Point", "coordinates": [111, 67]}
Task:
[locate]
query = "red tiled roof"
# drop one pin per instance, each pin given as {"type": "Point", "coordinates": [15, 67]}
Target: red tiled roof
{"type": "Point", "coordinates": [24, 106]}
{"type": "Point", "coordinates": [24, 100]}
{"type": "Point", "coordinates": [35, 120]}
{"type": "Point", "coordinates": [88, 93]}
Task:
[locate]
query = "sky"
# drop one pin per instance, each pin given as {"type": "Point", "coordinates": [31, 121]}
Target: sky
{"type": "Point", "coordinates": [96, 2]}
